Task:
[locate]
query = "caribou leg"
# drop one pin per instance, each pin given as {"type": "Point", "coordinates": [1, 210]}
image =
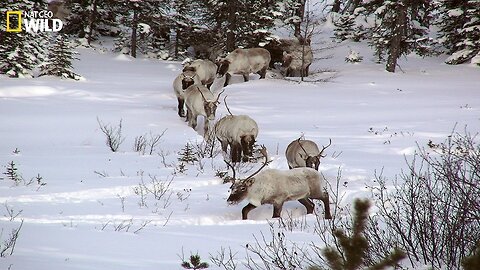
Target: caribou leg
{"type": "Point", "coordinates": [181, 103]}
{"type": "Point", "coordinates": [262, 73]}
{"type": "Point", "coordinates": [249, 207]}
{"type": "Point", "coordinates": [326, 204]}
{"type": "Point", "coordinates": [308, 204]}
{"type": "Point", "coordinates": [277, 210]}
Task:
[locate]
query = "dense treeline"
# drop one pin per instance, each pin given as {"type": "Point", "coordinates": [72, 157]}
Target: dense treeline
{"type": "Point", "coordinates": [207, 28]}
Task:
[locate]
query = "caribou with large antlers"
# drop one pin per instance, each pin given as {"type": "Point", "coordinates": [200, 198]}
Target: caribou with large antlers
{"type": "Point", "coordinates": [237, 131]}
{"type": "Point", "coordinates": [275, 187]}
{"type": "Point", "coordinates": [304, 153]}
{"type": "Point", "coordinates": [200, 101]}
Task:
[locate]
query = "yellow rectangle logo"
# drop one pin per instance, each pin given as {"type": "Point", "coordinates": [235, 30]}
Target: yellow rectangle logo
{"type": "Point", "coordinates": [19, 16]}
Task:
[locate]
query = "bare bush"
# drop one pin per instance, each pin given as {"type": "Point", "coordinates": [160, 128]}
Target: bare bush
{"type": "Point", "coordinates": [159, 189]}
{"type": "Point", "coordinates": [145, 145]}
{"type": "Point", "coordinates": [433, 211]}
{"type": "Point", "coordinates": [7, 245]}
{"type": "Point", "coordinates": [275, 252]}
{"type": "Point", "coordinates": [225, 259]}
{"type": "Point", "coordinates": [114, 137]}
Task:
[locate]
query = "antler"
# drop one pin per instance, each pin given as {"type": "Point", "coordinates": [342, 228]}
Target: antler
{"type": "Point", "coordinates": [226, 105]}
{"type": "Point", "coordinates": [264, 153]}
{"type": "Point", "coordinates": [233, 170]}
{"type": "Point", "coordinates": [223, 90]}
{"type": "Point", "coordinates": [325, 147]}
{"type": "Point", "coordinates": [299, 143]}
{"type": "Point", "coordinates": [204, 99]}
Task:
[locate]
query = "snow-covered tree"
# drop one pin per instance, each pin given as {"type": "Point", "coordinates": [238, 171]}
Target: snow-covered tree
{"type": "Point", "coordinates": [460, 29]}
{"type": "Point", "coordinates": [20, 52]}
{"type": "Point", "coordinates": [89, 18]}
{"type": "Point", "coordinates": [145, 26]}
{"type": "Point", "coordinates": [237, 23]}
{"type": "Point", "coordinates": [59, 59]}
{"type": "Point", "coordinates": [401, 28]}
{"type": "Point", "coordinates": [351, 26]}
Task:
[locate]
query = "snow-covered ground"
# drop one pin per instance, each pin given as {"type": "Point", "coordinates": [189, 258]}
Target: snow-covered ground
{"type": "Point", "coordinates": [91, 215]}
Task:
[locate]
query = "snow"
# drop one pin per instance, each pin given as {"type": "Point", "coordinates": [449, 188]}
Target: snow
{"type": "Point", "coordinates": [455, 12]}
{"type": "Point", "coordinates": [89, 215]}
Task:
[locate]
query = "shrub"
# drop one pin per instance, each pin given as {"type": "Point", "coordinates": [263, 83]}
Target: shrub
{"type": "Point", "coordinates": [433, 211]}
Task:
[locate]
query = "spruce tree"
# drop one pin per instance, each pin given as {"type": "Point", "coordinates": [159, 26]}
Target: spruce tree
{"type": "Point", "coordinates": [237, 23]}
{"type": "Point", "coordinates": [350, 251]}
{"type": "Point", "coordinates": [145, 26]}
{"type": "Point", "coordinates": [20, 52]}
{"type": "Point", "coordinates": [90, 18]}
{"type": "Point", "coordinates": [402, 27]}
{"type": "Point", "coordinates": [459, 23]}
{"type": "Point", "coordinates": [347, 26]}
{"type": "Point", "coordinates": [59, 60]}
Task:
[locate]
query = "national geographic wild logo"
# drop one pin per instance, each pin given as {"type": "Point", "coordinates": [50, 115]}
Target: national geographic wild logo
{"type": "Point", "coordinates": [32, 21]}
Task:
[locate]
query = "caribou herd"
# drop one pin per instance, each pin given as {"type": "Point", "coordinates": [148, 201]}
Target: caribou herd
{"type": "Point", "coordinates": [238, 133]}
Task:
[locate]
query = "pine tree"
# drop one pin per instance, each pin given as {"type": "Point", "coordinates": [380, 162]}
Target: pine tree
{"type": "Point", "coordinates": [20, 52]}
{"type": "Point", "coordinates": [145, 26]}
{"type": "Point", "coordinates": [236, 23]}
{"type": "Point", "coordinates": [460, 29]}
{"type": "Point", "coordinates": [188, 154]}
{"type": "Point", "coordinates": [401, 28]}
{"type": "Point", "coordinates": [194, 263]}
{"type": "Point", "coordinates": [59, 60]}
{"type": "Point", "coordinates": [350, 251]}
{"type": "Point", "coordinates": [348, 27]}
{"type": "Point", "coordinates": [89, 18]}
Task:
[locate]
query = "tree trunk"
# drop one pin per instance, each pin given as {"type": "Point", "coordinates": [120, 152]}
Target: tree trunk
{"type": "Point", "coordinates": [232, 26]}
{"type": "Point", "coordinates": [133, 45]}
{"type": "Point", "coordinates": [300, 12]}
{"type": "Point", "coordinates": [177, 39]}
{"type": "Point", "coordinates": [93, 16]}
{"type": "Point", "coordinates": [399, 33]}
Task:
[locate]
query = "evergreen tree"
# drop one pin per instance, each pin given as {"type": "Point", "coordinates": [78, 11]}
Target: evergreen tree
{"type": "Point", "coordinates": [20, 52]}
{"type": "Point", "coordinates": [460, 29]}
{"type": "Point", "coordinates": [350, 252]}
{"type": "Point", "coordinates": [145, 26]}
{"type": "Point", "coordinates": [236, 23]}
{"type": "Point", "coordinates": [59, 60]}
{"type": "Point", "coordinates": [89, 18]}
{"type": "Point", "coordinates": [347, 26]}
{"type": "Point", "coordinates": [401, 28]}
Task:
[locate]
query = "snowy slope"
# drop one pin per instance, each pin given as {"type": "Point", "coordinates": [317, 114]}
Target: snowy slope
{"type": "Point", "coordinates": [88, 213]}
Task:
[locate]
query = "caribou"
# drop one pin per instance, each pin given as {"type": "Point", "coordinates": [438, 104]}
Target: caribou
{"type": "Point", "coordinates": [200, 101]}
{"type": "Point", "coordinates": [180, 84]}
{"type": "Point", "coordinates": [275, 187]}
{"type": "Point", "coordinates": [238, 132]}
{"type": "Point", "coordinates": [205, 70]}
{"type": "Point", "coordinates": [304, 153]}
{"type": "Point", "coordinates": [244, 62]}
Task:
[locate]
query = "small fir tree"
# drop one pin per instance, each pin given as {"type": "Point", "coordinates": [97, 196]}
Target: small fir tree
{"type": "Point", "coordinates": [350, 252]}
{"type": "Point", "coordinates": [59, 60]}
{"type": "Point", "coordinates": [188, 154]}
{"type": "Point", "coordinates": [12, 173]}
{"type": "Point", "coordinates": [195, 263]}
